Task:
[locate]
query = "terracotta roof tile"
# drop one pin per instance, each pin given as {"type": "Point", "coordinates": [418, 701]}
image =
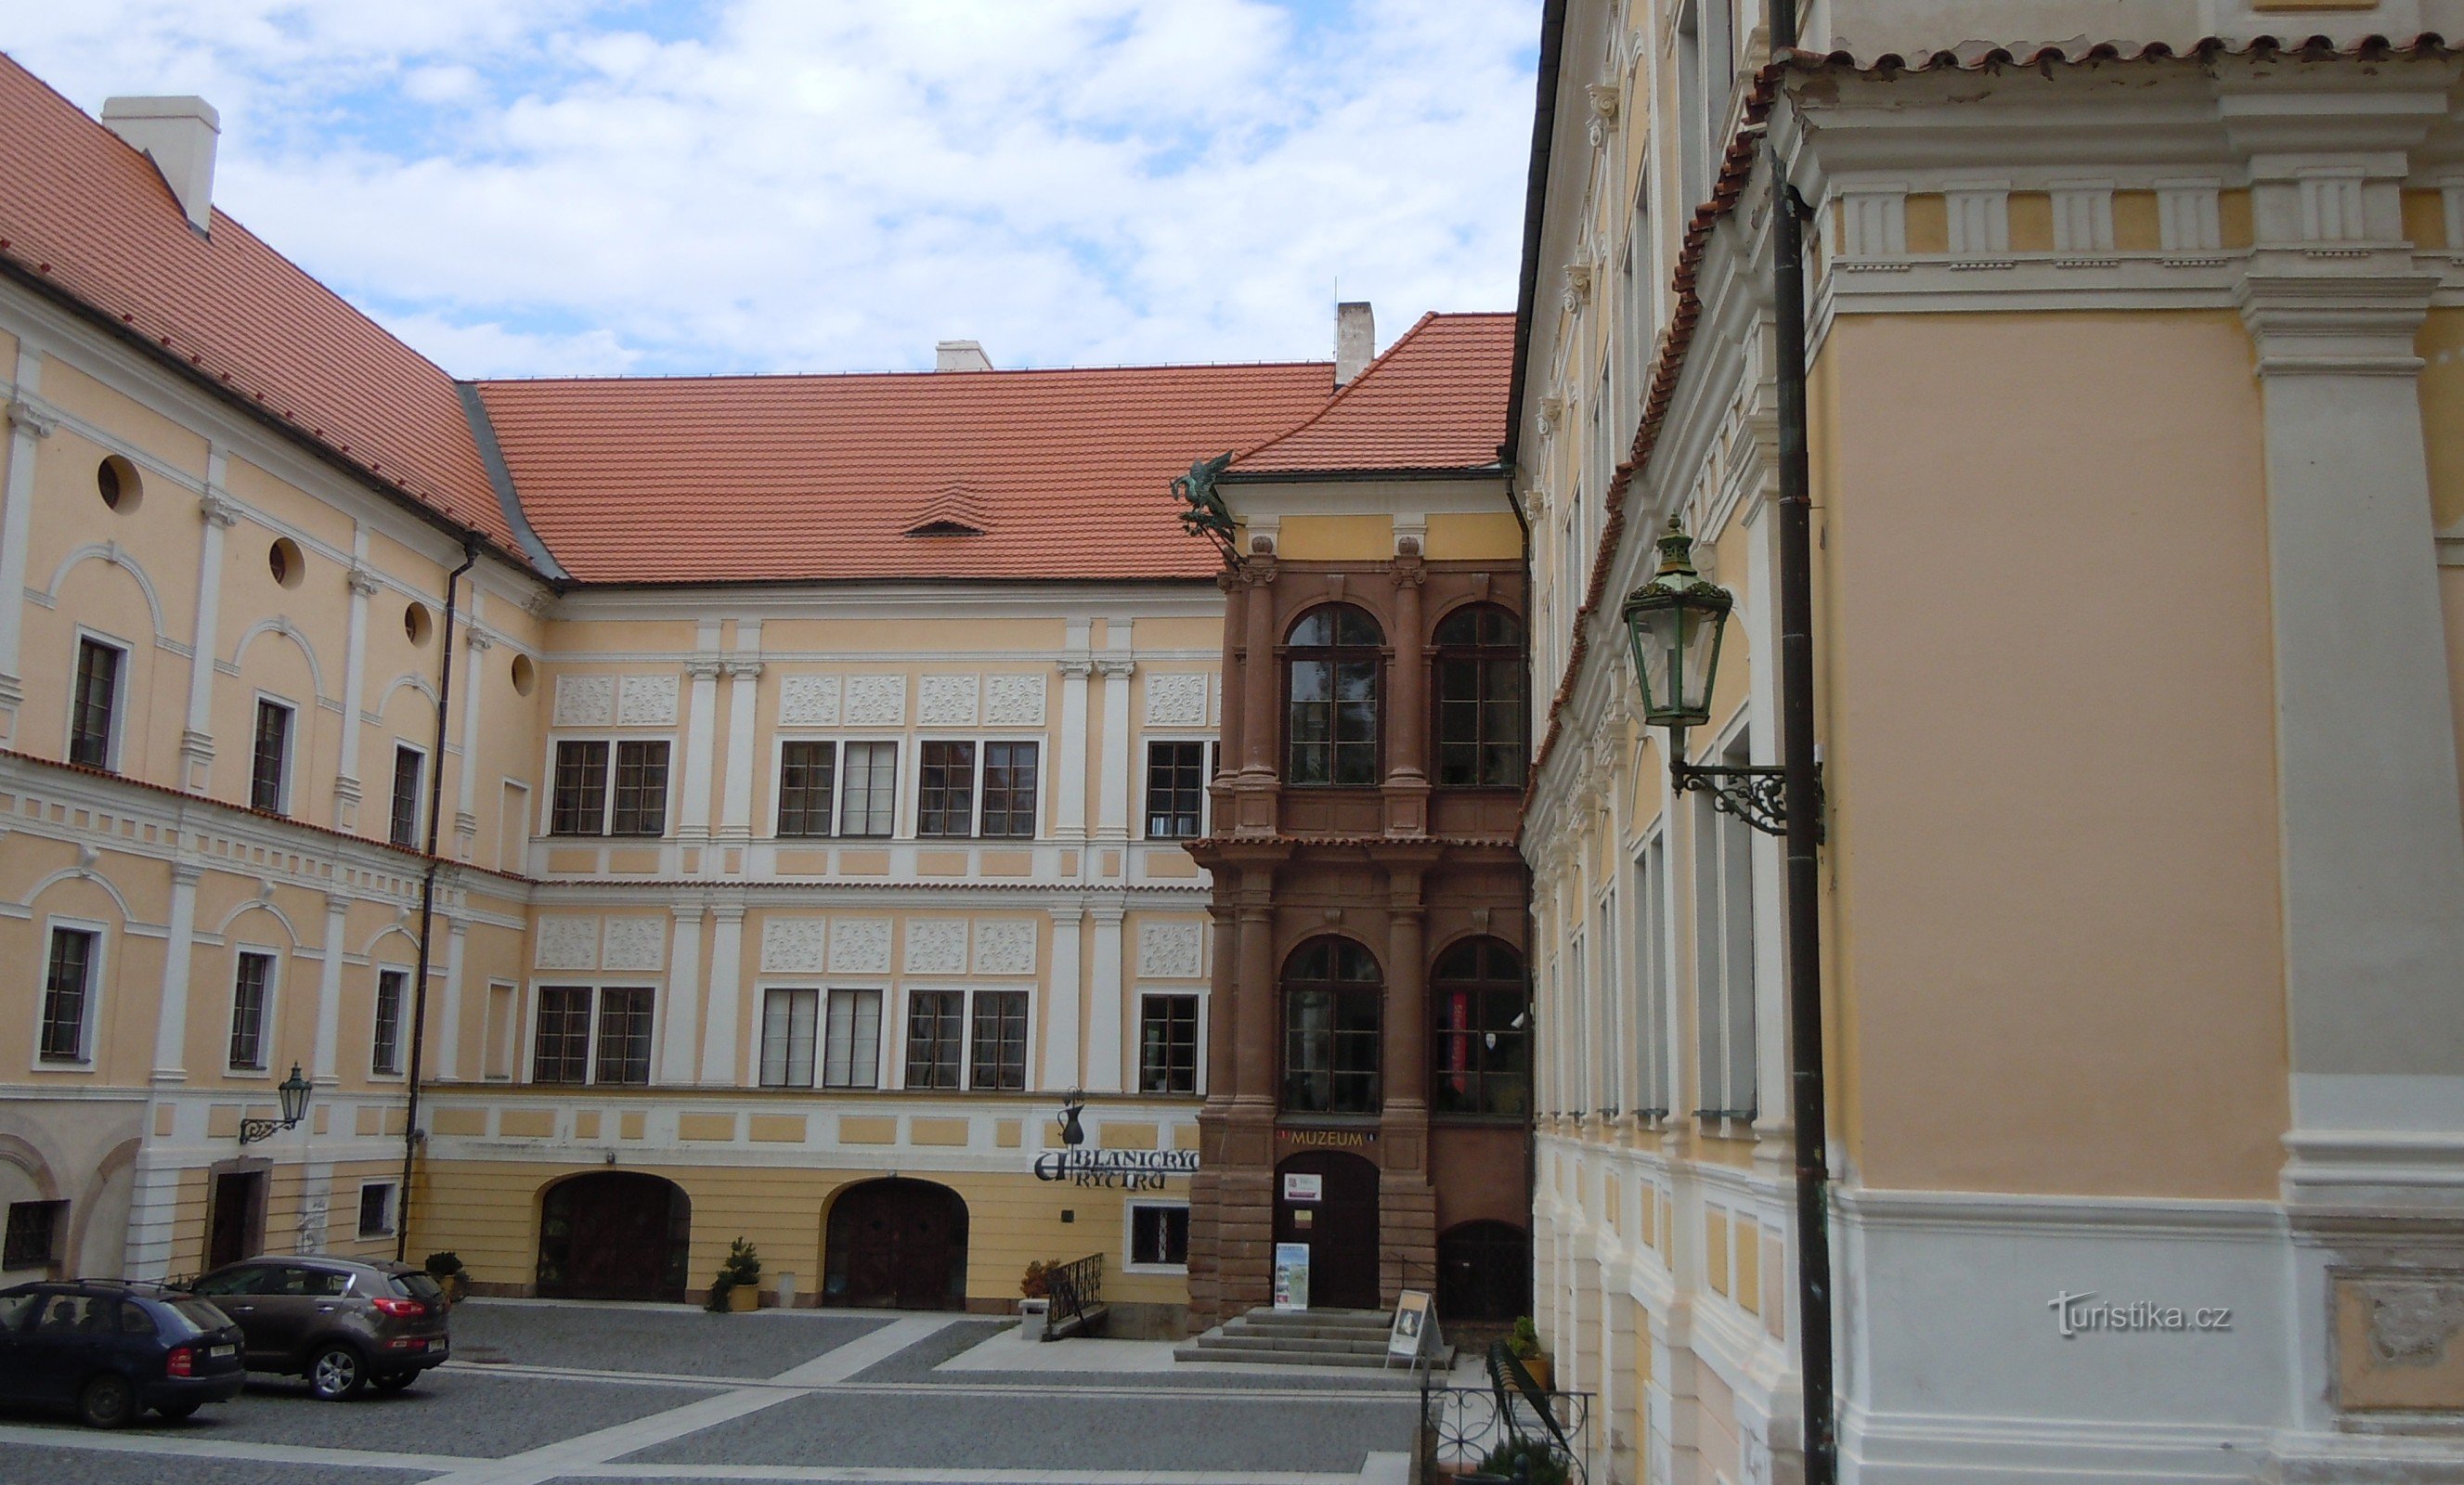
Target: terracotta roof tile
{"type": "Point", "coordinates": [822, 477]}
{"type": "Point", "coordinates": [1435, 400]}
{"type": "Point", "coordinates": [84, 212]}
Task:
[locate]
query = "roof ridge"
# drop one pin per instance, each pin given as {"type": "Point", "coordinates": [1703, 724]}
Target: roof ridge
{"type": "Point", "coordinates": [778, 377]}
{"type": "Point", "coordinates": [1343, 391]}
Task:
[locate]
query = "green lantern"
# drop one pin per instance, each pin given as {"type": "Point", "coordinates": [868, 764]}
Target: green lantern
{"type": "Point", "coordinates": [1673, 623]}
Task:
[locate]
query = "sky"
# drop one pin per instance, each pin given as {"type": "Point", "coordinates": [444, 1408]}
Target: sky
{"type": "Point", "coordinates": [541, 187]}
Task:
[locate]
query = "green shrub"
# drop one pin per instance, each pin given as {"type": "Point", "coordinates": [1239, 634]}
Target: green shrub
{"type": "Point", "coordinates": [1516, 1455]}
{"type": "Point", "coordinates": [442, 1265]}
{"type": "Point", "coordinates": [1525, 1342]}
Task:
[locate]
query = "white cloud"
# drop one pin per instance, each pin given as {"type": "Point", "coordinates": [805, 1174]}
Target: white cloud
{"type": "Point", "coordinates": [553, 186]}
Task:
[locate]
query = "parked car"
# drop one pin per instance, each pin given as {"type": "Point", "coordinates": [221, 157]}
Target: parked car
{"type": "Point", "coordinates": [110, 1350]}
{"type": "Point", "coordinates": [342, 1323]}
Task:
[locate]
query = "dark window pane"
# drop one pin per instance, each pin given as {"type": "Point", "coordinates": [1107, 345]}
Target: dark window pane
{"type": "Point", "coordinates": [402, 826]}
{"type": "Point", "coordinates": [945, 789]}
{"type": "Point", "coordinates": [90, 709]}
{"type": "Point", "coordinates": [1480, 699]}
{"type": "Point", "coordinates": [936, 1027]}
{"type": "Point", "coordinates": [1009, 790]}
{"type": "Point", "coordinates": [248, 985]}
{"type": "Point", "coordinates": [1176, 790]}
{"type": "Point", "coordinates": [807, 776]}
{"type": "Point", "coordinates": [1159, 1235]}
{"type": "Point", "coordinates": [1480, 1052]}
{"type": "Point", "coordinates": [563, 1054]}
{"type": "Point", "coordinates": [385, 1056]}
{"type": "Point", "coordinates": [269, 763]}
{"type": "Point", "coordinates": [641, 802]}
{"type": "Point", "coordinates": [1000, 1040]}
{"type": "Point", "coordinates": [624, 1037]}
{"type": "Point", "coordinates": [33, 1239]}
{"type": "Point", "coordinates": [68, 984]}
{"type": "Point", "coordinates": [579, 808]}
{"type": "Point", "coordinates": [1333, 1006]}
{"type": "Point", "coordinates": [1332, 682]}
{"type": "Point", "coordinates": [1168, 1044]}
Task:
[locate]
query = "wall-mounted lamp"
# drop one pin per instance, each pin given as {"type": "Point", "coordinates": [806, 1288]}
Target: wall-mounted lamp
{"type": "Point", "coordinates": [294, 1092]}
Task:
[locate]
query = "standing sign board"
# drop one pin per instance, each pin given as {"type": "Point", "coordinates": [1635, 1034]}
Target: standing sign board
{"type": "Point", "coordinates": [1291, 1275]}
{"type": "Point", "coordinates": [1415, 1328]}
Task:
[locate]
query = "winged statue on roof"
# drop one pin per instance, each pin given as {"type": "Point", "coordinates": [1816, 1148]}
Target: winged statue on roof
{"type": "Point", "coordinates": [1206, 514]}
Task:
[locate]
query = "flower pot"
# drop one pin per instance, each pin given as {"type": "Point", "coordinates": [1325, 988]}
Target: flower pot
{"type": "Point", "coordinates": [1543, 1373]}
{"type": "Point", "coordinates": [744, 1296]}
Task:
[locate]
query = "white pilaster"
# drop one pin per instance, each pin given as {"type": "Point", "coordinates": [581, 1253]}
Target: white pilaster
{"type": "Point", "coordinates": [449, 1039]}
{"type": "Point", "coordinates": [1063, 1001]}
{"type": "Point", "coordinates": [329, 990]}
{"type": "Point", "coordinates": [1107, 994]}
{"type": "Point", "coordinates": [171, 1018]}
{"type": "Point", "coordinates": [1069, 797]}
{"type": "Point", "coordinates": [347, 792]}
{"type": "Point", "coordinates": [197, 736]}
{"type": "Point", "coordinates": [735, 809]}
{"type": "Point", "coordinates": [466, 796]}
{"type": "Point", "coordinates": [720, 1020]}
{"type": "Point", "coordinates": [701, 736]}
{"type": "Point", "coordinates": [680, 1017]}
{"type": "Point", "coordinates": [28, 426]}
{"type": "Point", "coordinates": [1113, 794]}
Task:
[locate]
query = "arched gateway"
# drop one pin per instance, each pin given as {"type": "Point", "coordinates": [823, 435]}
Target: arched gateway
{"type": "Point", "coordinates": [614, 1235]}
{"type": "Point", "coordinates": [896, 1244]}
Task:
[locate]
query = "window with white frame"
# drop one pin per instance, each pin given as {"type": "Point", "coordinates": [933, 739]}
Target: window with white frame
{"type": "Point", "coordinates": [828, 787]}
{"type": "Point", "coordinates": [1168, 1043]}
{"type": "Point", "coordinates": [1177, 771]}
{"type": "Point", "coordinates": [948, 1048]}
{"type": "Point", "coordinates": [965, 788]}
{"type": "Point", "coordinates": [69, 983]}
{"type": "Point", "coordinates": [384, 1048]}
{"type": "Point", "coordinates": [1158, 1236]}
{"type": "Point", "coordinates": [376, 1209]}
{"type": "Point", "coordinates": [593, 1035]}
{"type": "Point", "coordinates": [789, 1022]}
{"type": "Point", "coordinates": [1651, 978]}
{"type": "Point", "coordinates": [269, 774]}
{"type": "Point", "coordinates": [93, 703]}
{"type": "Point", "coordinates": [1612, 1024]}
{"type": "Point", "coordinates": [251, 1000]}
{"type": "Point", "coordinates": [1724, 946]}
{"type": "Point", "coordinates": [606, 787]}
{"type": "Point", "coordinates": [852, 1039]}
{"type": "Point", "coordinates": [1639, 291]}
{"type": "Point", "coordinates": [402, 820]}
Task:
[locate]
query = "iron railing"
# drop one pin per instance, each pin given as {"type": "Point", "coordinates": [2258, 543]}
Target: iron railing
{"type": "Point", "coordinates": [1512, 1427]}
{"type": "Point", "coordinates": [1073, 1290]}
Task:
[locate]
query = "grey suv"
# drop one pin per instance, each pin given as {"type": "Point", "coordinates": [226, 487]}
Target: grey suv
{"type": "Point", "coordinates": [341, 1323]}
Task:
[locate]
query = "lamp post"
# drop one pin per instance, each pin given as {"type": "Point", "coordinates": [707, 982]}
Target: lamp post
{"type": "Point", "coordinates": [293, 1093]}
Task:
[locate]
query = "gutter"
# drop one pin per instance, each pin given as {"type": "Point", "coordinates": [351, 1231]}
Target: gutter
{"type": "Point", "coordinates": [1536, 198]}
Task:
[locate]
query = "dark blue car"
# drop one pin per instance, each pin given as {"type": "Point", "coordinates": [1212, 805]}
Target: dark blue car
{"type": "Point", "coordinates": [111, 1350]}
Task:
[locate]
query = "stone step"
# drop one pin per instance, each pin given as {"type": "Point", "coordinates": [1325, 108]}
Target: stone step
{"type": "Point", "coordinates": [1264, 1356]}
{"type": "Point", "coordinates": [1241, 1328]}
{"type": "Point", "coordinates": [1324, 1346]}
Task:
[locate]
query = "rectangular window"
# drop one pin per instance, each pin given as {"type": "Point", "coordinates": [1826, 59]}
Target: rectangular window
{"type": "Point", "coordinates": [581, 805]}
{"type": "Point", "coordinates": [624, 1037]}
{"type": "Point", "coordinates": [1724, 938]}
{"type": "Point", "coordinates": [851, 1052]}
{"type": "Point", "coordinates": [402, 824]}
{"type": "Point", "coordinates": [787, 1017]}
{"type": "Point", "coordinates": [1009, 790]}
{"type": "Point", "coordinates": [1168, 1044]}
{"type": "Point", "coordinates": [807, 776]}
{"type": "Point", "coordinates": [249, 990]}
{"type": "Point", "coordinates": [561, 1053]}
{"type": "Point", "coordinates": [1651, 979]}
{"type": "Point", "coordinates": [33, 1236]}
{"type": "Point", "coordinates": [1160, 1237]}
{"type": "Point", "coordinates": [270, 765]}
{"type": "Point", "coordinates": [68, 990]}
{"type": "Point", "coordinates": [1176, 790]}
{"type": "Point", "coordinates": [936, 1029]}
{"type": "Point", "coordinates": [376, 1209]}
{"type": "Point", "coordinates": [96, 698]}
{"type": "Point", "coordinates": [871, 791]}
{"type": "Point", "coordinates": [945, 785]}
{"type": "Point", "coordinates": [1330, 1051]}
{"type": "Point", "coordinates": [641, 806]}
{"type": "Point", "coordinates": [385, 1056]}
{"type": "Point", "coordinates": [999, 1040]}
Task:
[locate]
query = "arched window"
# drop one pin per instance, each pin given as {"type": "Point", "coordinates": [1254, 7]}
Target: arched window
{"type": "Point", "coordinates": [1330, 697]}
{"type": "Point", "coordinates": [1480, 1040]}
{"type": "Point", "coordinates": [1333, 1004]}
{"type": "Point", "coordinates": [1480, 699]}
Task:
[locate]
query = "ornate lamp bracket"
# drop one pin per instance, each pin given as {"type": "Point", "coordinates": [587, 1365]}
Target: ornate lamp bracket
{"type": "Point", "coordinates": [1758, 795]}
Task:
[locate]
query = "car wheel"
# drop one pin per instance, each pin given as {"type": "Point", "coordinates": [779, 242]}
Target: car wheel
{"type": "Point", "coordinates": [107, 1401]}
{"type": "Point", "coordinates": [335, 1373]}
{"type": "Point", "coordinates": [174, 1413]}
{"type": "Point", "coordinates": [393, 1381]}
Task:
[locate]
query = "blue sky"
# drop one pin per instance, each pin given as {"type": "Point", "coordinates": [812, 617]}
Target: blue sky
{"type": "Point", "coordinates": [568, 186]}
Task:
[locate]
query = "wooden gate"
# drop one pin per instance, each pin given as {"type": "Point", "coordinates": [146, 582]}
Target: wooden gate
{"type": "Point", "coordinates": [1340, 1228]}
{"type": "Point", "coordinates": [896, 1244]}
{"type": "Point", "coordinates": [614, 1235]}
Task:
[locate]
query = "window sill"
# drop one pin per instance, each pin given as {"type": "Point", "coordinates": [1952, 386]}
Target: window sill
{"type": "Point", "coordinates": [1155, 1268]}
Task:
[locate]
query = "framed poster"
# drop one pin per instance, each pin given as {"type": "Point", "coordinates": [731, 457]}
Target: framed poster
{"type": "Point", "coordinates": [1410, 1325]}
{"type": "Point", "coordinates": [1291, 1275]}
{"type": "Point", "coordinates": [1302, 1187]}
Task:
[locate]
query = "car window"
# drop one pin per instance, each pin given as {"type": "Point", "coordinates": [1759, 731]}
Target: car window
{"type": "Point", "coordinates": [135, 1319]}
{"type": "Point", "coordinates": [418, 1286]}
{"type": "Point", "coordinates": [77, 1314]}
{"type": "Point", "coordinates": [14, 1308]}
{"type": "Point", "coordinates": [318, 1283]}
{"type": "Point", "coordinates": [240, 1278]}
{"type": "Point", "coordinates": [201, 1315]}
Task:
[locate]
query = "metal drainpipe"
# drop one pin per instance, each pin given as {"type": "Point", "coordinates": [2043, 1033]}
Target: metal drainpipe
{"type": "Point", "coordinates": [1803, 782]}
{"type": "Point", "coordinates": [428, 902]}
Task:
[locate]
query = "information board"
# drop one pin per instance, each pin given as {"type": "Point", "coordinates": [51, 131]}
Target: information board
{"type": "Point", "coordinates": [1291, 1275]}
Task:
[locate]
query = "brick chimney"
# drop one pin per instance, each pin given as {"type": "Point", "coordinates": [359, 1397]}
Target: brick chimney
{"type": "Point", "coordinates": [178, 134]}
{"type": "Point", "coordinates": [1356, 339]}
{"type": "Point", "coordinates": [961, 356]}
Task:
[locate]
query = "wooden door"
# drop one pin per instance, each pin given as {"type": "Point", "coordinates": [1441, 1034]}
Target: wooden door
{"type": "Point", "coordinates": [897, 1245]}
{"type": "Point", "coordinates": [614, 1236]}
{"type": "Point", "coordinates": [1340, 1228]}
{"type": "Point", "coordinates": [236, 1226]}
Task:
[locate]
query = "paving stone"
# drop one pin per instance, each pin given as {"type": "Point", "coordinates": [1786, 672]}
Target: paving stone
{"type": "Point", "coordinates": [682, 1342]}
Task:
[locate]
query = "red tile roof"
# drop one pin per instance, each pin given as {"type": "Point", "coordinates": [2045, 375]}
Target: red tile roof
{"type": "Point", "coordinates": [82, 211]}
{"type": "Point", "coordinates": [821, 477]}
{"type": "Point", "coordinates": [1435, 400]}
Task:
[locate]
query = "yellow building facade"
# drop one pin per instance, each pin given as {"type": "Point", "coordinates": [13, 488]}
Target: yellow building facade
{"type": "Point", "coordinates": [2140, 632]}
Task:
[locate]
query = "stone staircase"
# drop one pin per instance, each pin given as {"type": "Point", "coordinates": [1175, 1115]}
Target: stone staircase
{"type": "Point", "coordinates": [1295, 1338]}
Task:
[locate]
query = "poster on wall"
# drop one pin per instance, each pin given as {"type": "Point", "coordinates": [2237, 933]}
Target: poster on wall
{"type": "Point", "coordinates": [1291, 1275]}
{"type": "Point", "coordinates": [1300, 1186]}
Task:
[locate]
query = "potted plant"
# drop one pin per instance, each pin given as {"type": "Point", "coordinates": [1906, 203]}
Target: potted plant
{"type": "Point", "coordinates": [1525, 1345]}
{"type": "Point", "coordinates": [446, 1268]}
{"type": "Point", "coordinates": [1035, 1292]}
{"type": "Point", "coordinates": [1522, 1460]}
{"type": "Point", "coordinates": [738, 1285]}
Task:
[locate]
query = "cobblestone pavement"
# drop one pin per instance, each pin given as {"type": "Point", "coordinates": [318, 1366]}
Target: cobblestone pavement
{"type": "Point", "coordinates": [572, 1393]}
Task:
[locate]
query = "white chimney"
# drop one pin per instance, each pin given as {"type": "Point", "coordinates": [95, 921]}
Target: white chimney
{"type": "Point", "coordinates": [1356, 339]}
{"type": "Point", "coordinates": [178, 134]}
{"type": "Point", "coordinates": [961, 356]}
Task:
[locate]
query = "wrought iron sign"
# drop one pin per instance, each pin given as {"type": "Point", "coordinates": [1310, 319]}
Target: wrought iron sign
{"type": "Point", "coordinates": [1116, 1169]}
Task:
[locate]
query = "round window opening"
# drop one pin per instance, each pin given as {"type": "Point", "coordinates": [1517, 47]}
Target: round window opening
{"type": "Point", "coordinates": [525, 675]}
{"type": "Point", "coordinates": [417, 623]}
{"type": "Point", "coordinates": [284, 561]}
{"type": "Point", "coordinates": [115, 480]}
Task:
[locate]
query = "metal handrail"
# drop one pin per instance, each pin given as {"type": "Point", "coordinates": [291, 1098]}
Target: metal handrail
{"type": "Point", "coordinates": [1072, 1289]}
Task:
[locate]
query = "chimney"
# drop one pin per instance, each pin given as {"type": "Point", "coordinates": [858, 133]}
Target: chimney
{"type": "Point", "coordinates": [178, 134]}
{"type": "Point", "coordinates": [1356, 339]}
{"type": "Point", "coordinates": [961, 356]}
